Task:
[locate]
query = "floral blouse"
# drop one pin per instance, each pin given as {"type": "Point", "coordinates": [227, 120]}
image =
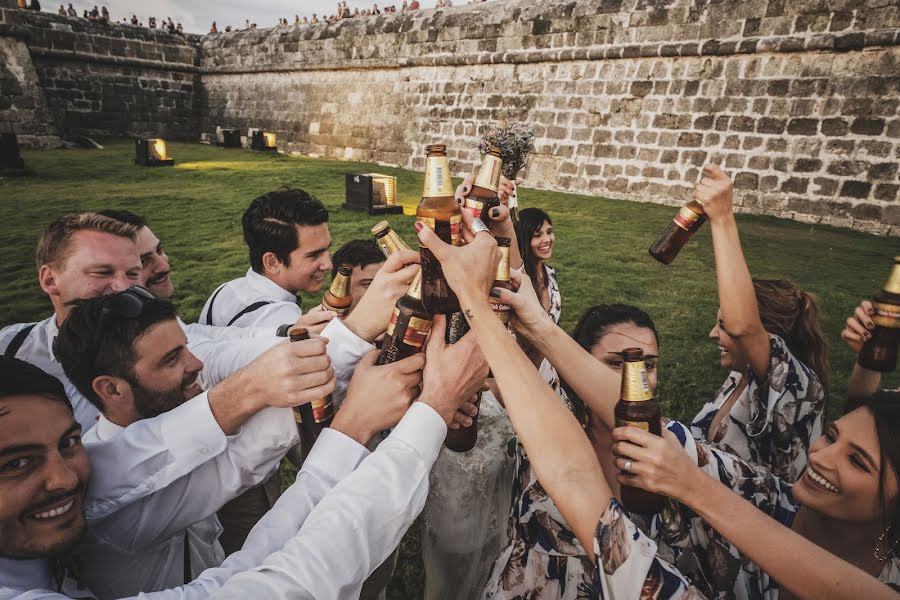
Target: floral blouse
{"type": "Point", "coordinates": [703, 555]}
{"type": "Point", "coordinates": [774, 420]}
{"type": "Point", "coordinates": [628, 565]}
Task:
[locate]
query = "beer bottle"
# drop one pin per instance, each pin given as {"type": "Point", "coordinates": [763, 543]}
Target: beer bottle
{"type": "Point", "coordinates": [388, 240]}
{"type": "Point", "coordinates": [686, 222]}
{"type": "Point", "coordinates": [438, 210]}
{"type": "Point", "coordinates": [880, 352]}
{"type": "Point", "coordinates": [338, 297]}
{"type": "Point", "coordinates": [636, 407]}
{"type": "Point", "coordinates": [314, 416]}
{"type": "Point", "coordinates": [457, 326]}
{"type": "Point", "coordinates": [409, 326]}
{"type": "Point", "coordinates": [464, 438]}
{"type": "Point", "coordinates": [483, 196]}
{"type": "Point", "coordinates": [501, 280]}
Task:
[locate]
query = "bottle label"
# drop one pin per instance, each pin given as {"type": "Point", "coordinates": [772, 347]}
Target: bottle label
{"type": "Point", "coordinates": [639, 424]}
{"type": "Point", "coordinates": [501, 310]}
{"type": "Point", "coordinates": [455, 221]}
{"type": "Point", "coordinates": [503, 265]}
{"type": "Point", "coordinates": [892, 285]}
{"type": "Point", "coordinates": [886, 315]}
{"type": "Point", "coordinates": [416, 331]}
{"type": "Point", "coordinates": [474, 207]}
{"type": "Point", "coordinates": [323, 409]}
{"type": "Point", "coordinates": [686, 218]}
{"type": "Point", "coordinates": [635, 387]}
{"type": "Point", "coordinates": [488, 175]}
{"type": "Point", "coordinates": [437, 177]}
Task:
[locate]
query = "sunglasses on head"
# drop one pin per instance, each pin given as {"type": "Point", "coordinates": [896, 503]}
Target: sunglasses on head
{"type": "Point", "coordinates": [128, 304]}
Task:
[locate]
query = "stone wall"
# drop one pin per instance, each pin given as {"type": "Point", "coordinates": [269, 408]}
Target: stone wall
{"type": "Point", "coordinates": [798, 99]}
{"type": "Point", "coordinates": [101, 79]}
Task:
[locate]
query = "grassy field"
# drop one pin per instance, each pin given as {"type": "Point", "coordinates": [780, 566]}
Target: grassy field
{"type": "Point", "coordinates": [601, 255]}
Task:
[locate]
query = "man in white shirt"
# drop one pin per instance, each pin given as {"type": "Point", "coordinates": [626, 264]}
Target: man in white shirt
{"type": "Point", "coordinates": [286, 232]}
{"type": "Point", "coordinates": [342, 541]}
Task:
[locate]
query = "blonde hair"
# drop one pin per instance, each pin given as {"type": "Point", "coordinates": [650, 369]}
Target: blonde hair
{"type": "Point", "coordinates": [53, 246]}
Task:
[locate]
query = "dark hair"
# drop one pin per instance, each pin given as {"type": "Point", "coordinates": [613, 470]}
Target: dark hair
{"type": "Point", "coordinates": [19, 378]}
{"type": "Point", "coordinates": [124, 216]}
{"type": "Point", "coordinates": [356, 253]}
{"type": "Point", "coordinates": [270, 223]}
{"type": "Point", "coordinates": [530, 220]}
{"type": "Point", "coordinates": [95, 341]}
{"type": "Point", "coordinates": [793, 315]}
{"type": "Point", "coordinates": [594, 323]}
{"type": "Point", "coordinates": [885, 409]}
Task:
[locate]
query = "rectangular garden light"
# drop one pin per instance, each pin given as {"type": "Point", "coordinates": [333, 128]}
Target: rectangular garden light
{"type": "Point", "coordinates": [263, 140]}
{"type": "Point", "coordinates": [372, 192]}
{"type": "Point", "coordinates": [151, 152]}
{"type": "Point", "coordinates": [231, 138]}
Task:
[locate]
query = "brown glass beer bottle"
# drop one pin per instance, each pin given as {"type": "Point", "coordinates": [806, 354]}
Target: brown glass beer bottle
{"type": "Point", "coordinates": [388, 240]}
{"type": "Point", "coordinates": [464, 438]}
{"type": "Point", "coordinates": [439, 210]}
{"type": "Point", "coordinates": [483, 196]}
{"type": "Point", "coordinates": [686, 222]}
{"type": "Point", "coordinates": [409, 326]}
{"type": "Point", "coordinates": [338, 298]}
{"type": "Point", "coordinates": [636, 407]}
{"type": "Point", "coordinates": [880, 352]}
{"type": "Point", "coordinates": [501, 280]}
{"type": "Point", "coordinates": [314, 416]}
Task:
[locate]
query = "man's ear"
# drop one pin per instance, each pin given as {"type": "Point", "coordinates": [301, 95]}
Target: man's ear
{"type": "Point", "coordinates": [114, 393]}
{"type": "Point", "coordinates": [47, 279]}
{"type": "Point", "coordinates": [271, 264]}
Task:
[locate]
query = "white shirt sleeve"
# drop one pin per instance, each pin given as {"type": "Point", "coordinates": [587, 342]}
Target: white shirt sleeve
{"type": "Point", "coordinates": [173, 494]}
{"type": "Point", "coordinates": [357, 525]}
{"type": "Point", "coordinates": [333, 457]}
{"type": "Point", "coordinates": [212, 332]}
{"type": "Point", "coordinates": [345, 349]}
{"type": "Point", "coordinates": [221, 358]}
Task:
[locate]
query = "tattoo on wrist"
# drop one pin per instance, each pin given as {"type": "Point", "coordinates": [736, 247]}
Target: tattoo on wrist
{"type": "Point", "coordinates": [469, 314]}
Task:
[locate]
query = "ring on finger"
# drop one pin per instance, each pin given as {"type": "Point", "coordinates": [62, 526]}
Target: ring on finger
{"type": "Point", "coordinates": [478, 226]}
{"type": "Point", "coordinates": [627, 466]}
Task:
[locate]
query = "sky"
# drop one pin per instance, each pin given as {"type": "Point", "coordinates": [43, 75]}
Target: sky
{"type": "Point", "coordinates": [196, 15]}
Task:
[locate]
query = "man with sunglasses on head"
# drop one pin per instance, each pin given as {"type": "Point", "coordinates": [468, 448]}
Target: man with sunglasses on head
{"type": "Point", "coordinates": [128, 354]}
{"type": "Point", "coordinates": [44, 473]}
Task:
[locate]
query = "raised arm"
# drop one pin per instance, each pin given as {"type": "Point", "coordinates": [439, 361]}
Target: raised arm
{"type": "Point", "coordinates": [863, 382]}
{"type": "Point", "coordinates": [799, 565]}
{"type": "Point", "coordinates": [737, 300]}
{"type": "Point", "coordinates": [561, 454]}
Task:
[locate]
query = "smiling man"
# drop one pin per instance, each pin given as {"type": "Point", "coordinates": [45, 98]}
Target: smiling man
{"type": "Point", "coordinates": [288, 239]}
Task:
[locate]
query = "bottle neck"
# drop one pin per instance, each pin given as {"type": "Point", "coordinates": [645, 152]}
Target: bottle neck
{"type": "Point", "coordinates": [340, 287]}
{"type": "Point", "coordinates": [415, 287]}
{"type": "Point", "coordinates": [503, 266]}
{"type": "Point", "coordinates": [892, 285]}
{"type": "Point", "coordinates": [437, 177]}
{"type": "Point", "coordinates": [488, 175]}
{"type": "Point", "coordinates": [635, 386]}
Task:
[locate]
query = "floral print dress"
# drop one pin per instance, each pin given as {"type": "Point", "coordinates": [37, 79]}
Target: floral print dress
{"type": "Point", "coordinates": [774, 420]}
{"type": "Point", "coordinates": [544, 560]}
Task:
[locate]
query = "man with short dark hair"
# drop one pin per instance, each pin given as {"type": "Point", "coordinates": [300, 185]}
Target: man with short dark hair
{"type": "Point", "coordinates": [286, 232]}
{"type": "Point", "coordinates": [366, 260]}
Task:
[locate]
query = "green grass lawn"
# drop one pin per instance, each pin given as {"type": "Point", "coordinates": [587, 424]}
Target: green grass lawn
{"type": "Point", "coordinates": [601, 252]}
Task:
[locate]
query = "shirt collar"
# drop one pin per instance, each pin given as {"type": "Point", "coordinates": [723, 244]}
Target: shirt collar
{"type": "Point", "coordinates": [33, 574]}
{"type": "Point", "coordinates": [269, 288]}
{"type": "Point", "coordinates": [106, 429]}
{"type": "Point", "coordinates": [52, 330]}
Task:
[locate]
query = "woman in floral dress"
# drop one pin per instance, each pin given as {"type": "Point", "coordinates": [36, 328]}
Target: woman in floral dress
{"type": "Point", "coordinates": [859, 456]}
{"type": "Point", "coordinates": [770, 408]}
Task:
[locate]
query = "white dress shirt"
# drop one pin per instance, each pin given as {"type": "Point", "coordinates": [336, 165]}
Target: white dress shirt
{"type": "Point", "coordinates": [230, 299]}
{"type": "Point", "coordinates": [348, 534]}
{"type": "Point", "coordinates": [162, 479]}
{"type": "Point", "coordinates": [37, 349]}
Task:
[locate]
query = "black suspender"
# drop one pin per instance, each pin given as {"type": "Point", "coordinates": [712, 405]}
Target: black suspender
{"type": "Point", "coordinates": [209, 319]}
{"type": "Point", "coordinates": [249, 309]}
{"type": "Point", "coordinates": [17, 341]}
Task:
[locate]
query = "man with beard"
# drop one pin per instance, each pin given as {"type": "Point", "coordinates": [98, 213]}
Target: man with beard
{"type": "Point", "coordinates": [44, 472]}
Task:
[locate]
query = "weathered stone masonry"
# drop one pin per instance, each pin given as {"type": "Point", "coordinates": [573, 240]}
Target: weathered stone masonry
{"type": "Point", "coordinates": [798, 99]}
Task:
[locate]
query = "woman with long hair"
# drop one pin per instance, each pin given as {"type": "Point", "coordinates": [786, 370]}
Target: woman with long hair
{"type": "Point", "coordinates": [829, 537]}
{"type": "Point", "coordinates": [544, 559]}
{"type": "Point", "coordinates": [534, 233]}
{"type": "Point", "coordinates": [770, 408]}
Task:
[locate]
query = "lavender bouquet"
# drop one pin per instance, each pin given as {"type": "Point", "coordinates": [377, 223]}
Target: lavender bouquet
{"type": "Point", "coordinates": [515, 140]}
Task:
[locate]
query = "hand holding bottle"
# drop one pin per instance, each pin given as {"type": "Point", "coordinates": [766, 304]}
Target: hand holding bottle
{"type": "Point", "coordinates": [371, 316]}
{"type": "Point", "coordinates": [528, 319]}
{"type": "Point", "coordinates": [715, 193]}
{"type": "Point", "coordinates": [858, 329]}
{"type": "Point", "coordinates": [316, 319]}
{"type": "Point", "coordinates": [654, 464]}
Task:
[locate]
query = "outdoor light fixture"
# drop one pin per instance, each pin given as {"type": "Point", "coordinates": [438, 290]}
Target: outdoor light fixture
{"type": "Point", "coordinates": [263, 140]}
{"type": "Point", "coordinates": [372, 192]}
{"type": "Point", "coordinates": [152, 153]}
{"type": "Point", "coordinates": [230, 138]}
{"type": "Point", "coordinates": [9, 153]}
